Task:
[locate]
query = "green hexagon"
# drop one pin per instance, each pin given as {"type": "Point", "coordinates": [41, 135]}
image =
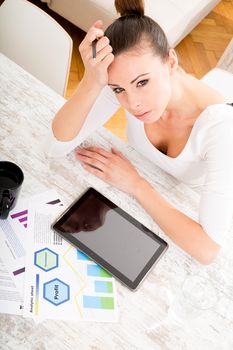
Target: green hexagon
{"type": "Point", "coordinates": [46, 259]}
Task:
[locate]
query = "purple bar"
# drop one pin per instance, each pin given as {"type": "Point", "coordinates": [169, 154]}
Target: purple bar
{"type": "Point", "coordinates": [21, 213]}
{"type": "Point", "coordinates": [23, 219]}
{"type": "Point", "coordinates": [17, 272]}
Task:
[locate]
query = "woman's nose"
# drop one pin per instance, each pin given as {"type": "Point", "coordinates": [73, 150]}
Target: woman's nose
{"type": "Point", "coordinates": [133, 103]}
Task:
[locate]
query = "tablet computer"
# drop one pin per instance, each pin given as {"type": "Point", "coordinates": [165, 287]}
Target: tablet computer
{"type": "Point", "coordinates": [111, 237]}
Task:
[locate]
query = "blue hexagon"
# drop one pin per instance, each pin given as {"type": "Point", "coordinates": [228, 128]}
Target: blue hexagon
{"type": "Point", "coordinates": [56, 291]}
{"type": "Point", "coordinates": [46, 259]}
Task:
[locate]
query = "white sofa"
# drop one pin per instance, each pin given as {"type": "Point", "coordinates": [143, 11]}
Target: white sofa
{"type": "Point", "coordinates": [220, 80]}
{"type": "Point", "coordinates": [221, 77]}
{"type": "Point", "coordinates": [176, 17]}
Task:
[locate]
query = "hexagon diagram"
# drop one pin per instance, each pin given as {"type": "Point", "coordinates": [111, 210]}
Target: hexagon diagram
{"type": "Point", "coordinates": [46, 259]}
{"type": "Point", "coordinates": [56, 291]}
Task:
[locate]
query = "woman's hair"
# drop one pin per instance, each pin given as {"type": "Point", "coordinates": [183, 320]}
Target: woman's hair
{"type": "Point", "coordinates": [133, 28]}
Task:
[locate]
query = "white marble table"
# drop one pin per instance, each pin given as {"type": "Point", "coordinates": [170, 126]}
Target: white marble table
{"type": "Point", "coordinates": [26, 107]}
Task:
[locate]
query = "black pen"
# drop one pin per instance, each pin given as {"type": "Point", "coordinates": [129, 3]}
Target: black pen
{"type": "Point", "coordinates": [94, 42]}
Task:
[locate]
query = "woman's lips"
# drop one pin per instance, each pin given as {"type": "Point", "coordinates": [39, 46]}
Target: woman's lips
{"type": "Point", "coordinates": [143, 115]}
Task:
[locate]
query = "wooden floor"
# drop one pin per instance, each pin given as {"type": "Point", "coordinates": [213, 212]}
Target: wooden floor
{"type": "Point", "coordinates": [198, 52]}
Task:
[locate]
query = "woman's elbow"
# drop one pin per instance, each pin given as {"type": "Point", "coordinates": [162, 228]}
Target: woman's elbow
{"type": "Point", "coordinates": [209, 254]}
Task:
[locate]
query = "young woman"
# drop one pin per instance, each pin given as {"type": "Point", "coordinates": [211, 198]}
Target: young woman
{"type": "Point", "coordinates": [175, 120]}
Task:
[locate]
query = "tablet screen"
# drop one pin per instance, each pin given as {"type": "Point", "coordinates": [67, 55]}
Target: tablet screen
{"type": "Point", "coordinates": [111, 234]}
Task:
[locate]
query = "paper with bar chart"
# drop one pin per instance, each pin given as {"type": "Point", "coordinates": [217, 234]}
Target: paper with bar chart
{"type": "Point", "coordinates": [14, 238]}
{"type": "Point", "coordinates": [15, 235]}
{"type": "Point", "coordinates": [62, 282]}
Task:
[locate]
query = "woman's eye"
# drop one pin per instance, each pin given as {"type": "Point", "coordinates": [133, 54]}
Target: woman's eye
{"type": "Point", "coordinates": [142, 82]}
{"type": "Point", "coordinates": [117, 90]}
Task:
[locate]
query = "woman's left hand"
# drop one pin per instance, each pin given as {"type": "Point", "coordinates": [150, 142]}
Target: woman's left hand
{"type": "Point", "coordinates": [112, 167]}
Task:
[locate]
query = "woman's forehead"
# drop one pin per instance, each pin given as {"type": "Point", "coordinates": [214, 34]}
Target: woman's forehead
{"type": "Point", "coordinates": [126, 65]}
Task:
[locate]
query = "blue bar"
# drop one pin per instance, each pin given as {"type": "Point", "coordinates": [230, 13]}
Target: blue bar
{"type": "Point", "coordinates": [97, 271]}
{"type": "Point", "coordinates": [103, 287]}
{"type": "Point", "coordinates": [91, 302]}
{"type": "Point", "coordinates": [94, 270]}
{"type": "Point", "coordinates": [81, 255]}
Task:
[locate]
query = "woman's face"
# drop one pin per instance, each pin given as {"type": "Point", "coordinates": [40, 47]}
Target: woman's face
{"type": "Point", "coordinates": [142, 84]}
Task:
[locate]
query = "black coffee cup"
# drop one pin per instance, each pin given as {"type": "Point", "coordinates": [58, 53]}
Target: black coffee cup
{"type": "Point", "coordinates": [11, 179]}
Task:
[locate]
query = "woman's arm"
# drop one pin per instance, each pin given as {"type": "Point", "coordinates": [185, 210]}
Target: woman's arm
{"type": "Point", "coordinates": [71, 117]}
{"type": "Point", "coordinates": [185, 232]}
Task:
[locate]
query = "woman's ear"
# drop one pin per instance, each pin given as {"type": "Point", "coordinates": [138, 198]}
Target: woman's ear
{"type": "Point", "coordinates": [172, 61]}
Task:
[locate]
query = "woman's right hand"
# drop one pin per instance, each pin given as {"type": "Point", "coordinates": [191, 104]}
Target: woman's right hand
{"type": "Point", "coordinates": [96, 70]}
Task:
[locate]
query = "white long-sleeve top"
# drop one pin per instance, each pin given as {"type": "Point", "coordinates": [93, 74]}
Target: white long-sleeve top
{"type": "Point", "coordinates": [205, 163]}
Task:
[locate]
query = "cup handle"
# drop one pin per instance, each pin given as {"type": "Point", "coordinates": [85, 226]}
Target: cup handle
{"type": "Point", "coordinates": [6, 203]}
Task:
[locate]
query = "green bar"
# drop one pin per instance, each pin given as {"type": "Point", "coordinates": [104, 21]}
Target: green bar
{"type": "Point", "coordinates": [104, 273]}
{"type": "Point", "coordinates": [109, 287]}
{"type": "Point", "coordinates": [107, 303]}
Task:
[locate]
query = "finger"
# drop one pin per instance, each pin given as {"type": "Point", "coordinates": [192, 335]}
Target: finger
{"type": "Point", "coordinates": [85, 46]}
{"type": "Point", "coordinates": [94, 33]}
{"type": "Point", "coordinates": [99, 150]}
{"type": "Point", "coordinates": [98, 24]}
{"type": "Point", "coordinates": [103, 53]}
{"type": "Point", "coordinates": [94, 171]}
{"type": "Point", "coordinates": [115, 151]}
{"type": "Point", "coordinates": [93, 163]}
{"type": "Point", "coordinates": [98, 161]}
{"type": "Point", "coordinates": [102, 43]}
{"type": "Point", "coordinates": [108, 60]}
{"type": "Point", "coordinates": [93, 159]}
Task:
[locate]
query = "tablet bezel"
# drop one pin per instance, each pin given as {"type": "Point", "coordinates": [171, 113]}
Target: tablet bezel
{"type": "Point", "coordinates": [133, 285]}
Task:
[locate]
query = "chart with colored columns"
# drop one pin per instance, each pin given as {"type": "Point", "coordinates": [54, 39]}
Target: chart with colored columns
{"type": "Point", "coordinates": [104, 287]}
{"type": "Point", "coordinates": [99, 302]}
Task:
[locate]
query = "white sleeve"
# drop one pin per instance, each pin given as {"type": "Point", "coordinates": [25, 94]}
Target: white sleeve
{"type": "Point", "coordinates": [104, 107]}
{"type": "Point", "coordinates": [216, 204]}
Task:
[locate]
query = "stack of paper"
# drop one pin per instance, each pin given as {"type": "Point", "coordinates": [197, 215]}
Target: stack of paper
{"type": "Point", "coordinates": [42, 276]}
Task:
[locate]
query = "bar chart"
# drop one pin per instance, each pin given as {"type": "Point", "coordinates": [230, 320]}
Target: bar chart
{"type": "Point", "coordinates": [22, 216]}
{"type": "Point", "coordinates": [93, 302]}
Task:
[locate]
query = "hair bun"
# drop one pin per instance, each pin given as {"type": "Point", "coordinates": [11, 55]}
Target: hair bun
{"type": "Point", "coordinates": [130, 7]}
